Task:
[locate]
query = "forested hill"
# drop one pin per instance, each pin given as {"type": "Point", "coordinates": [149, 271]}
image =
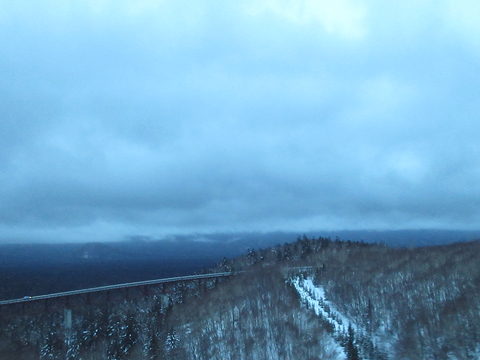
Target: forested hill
{"type": "Point", "coordinates": [314, 298]}
{"type": "Point", "coordinates": [420, 303]}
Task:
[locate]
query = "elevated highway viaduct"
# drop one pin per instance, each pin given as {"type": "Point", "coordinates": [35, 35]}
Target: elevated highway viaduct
{"type": "Point", "coordinates": [174, 286]}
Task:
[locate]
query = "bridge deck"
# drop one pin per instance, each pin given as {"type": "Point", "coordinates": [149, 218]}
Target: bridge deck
{"type": "Point", "coordinates": [116, 286]}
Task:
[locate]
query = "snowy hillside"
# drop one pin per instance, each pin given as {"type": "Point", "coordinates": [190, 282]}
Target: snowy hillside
{"type": "Point", "coordinates": [353, 337]}
{"type": "Point", "coordinates": [311, 299]}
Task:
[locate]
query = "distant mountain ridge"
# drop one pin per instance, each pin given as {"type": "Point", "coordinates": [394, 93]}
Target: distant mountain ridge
{"type": "Point", "coordinates": [211, 246]}
{"type": "Point", "coordinates": [99, 251]}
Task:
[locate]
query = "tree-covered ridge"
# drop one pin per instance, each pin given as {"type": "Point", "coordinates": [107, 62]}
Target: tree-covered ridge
{"type": "Point", "coordinates": [419, 303]}
{"type": "Point", "coordinates": [426, 297]}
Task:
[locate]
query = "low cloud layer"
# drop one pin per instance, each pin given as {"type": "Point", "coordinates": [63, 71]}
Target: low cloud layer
{"type": "Point", "coordinates": [151, 118]}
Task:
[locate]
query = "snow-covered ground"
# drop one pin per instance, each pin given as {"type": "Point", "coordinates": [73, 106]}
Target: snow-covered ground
{"type": "Point", "coordinates": [314, 298]}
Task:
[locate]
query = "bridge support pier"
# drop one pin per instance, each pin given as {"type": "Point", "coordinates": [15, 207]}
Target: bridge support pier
{"type": "Point", "coordinates": [67, 319]}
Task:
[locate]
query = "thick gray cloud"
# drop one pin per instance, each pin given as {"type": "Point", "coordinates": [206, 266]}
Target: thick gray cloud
{"type": "Point", "coordinates": [144, 117]}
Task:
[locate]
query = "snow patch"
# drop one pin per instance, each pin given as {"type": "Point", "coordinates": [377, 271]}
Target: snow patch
{"type": "Point", "coordinates": [314, 297]}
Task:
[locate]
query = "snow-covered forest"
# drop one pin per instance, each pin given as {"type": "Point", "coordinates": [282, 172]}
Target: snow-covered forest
{"type": "Point", "coordinates": [314, 298]}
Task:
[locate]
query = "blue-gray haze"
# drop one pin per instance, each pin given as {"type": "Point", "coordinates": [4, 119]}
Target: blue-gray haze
{"type": "Point", "coordinates": [155, 117]}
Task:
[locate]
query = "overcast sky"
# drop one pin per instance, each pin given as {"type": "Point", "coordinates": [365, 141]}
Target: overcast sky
{"type": "Point", "coordinates": [154, 117]}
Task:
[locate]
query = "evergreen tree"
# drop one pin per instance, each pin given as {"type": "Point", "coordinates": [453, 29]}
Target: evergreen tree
{"type": "Point", "coordinates": [352, 351]}
{"type": "Point", "coordinates": [252, 257]}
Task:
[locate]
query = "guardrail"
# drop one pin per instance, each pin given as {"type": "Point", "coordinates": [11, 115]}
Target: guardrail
{"type": "Point", "coordinates": [116, 286]}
